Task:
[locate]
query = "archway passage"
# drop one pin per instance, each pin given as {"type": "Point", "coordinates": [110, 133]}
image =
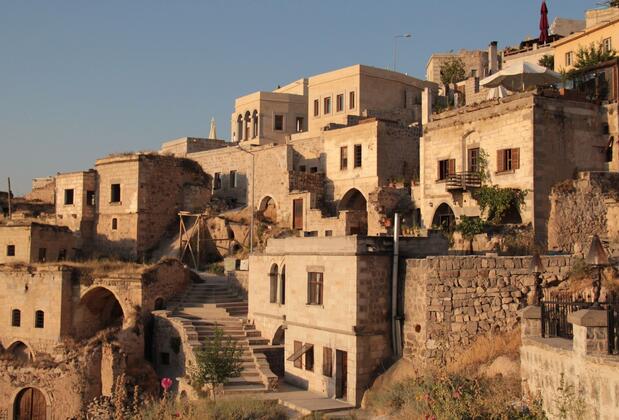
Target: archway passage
{"type": "Point", "coordinates": [30, 404]}
{"type": "Point", "coordinates": [279, 339]}
{"type": "Point", "coordinates": [444, 217]}
{"type": "Point", "coordinates": [20, 351]}
{"type": "Point", "coordinates": [268, 210]}
{"type": "Point", "coordinates": [354, 204]}
{"type": "Point", "coordinates": [98, 309]}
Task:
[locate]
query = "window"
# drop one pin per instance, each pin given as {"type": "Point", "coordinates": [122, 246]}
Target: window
{"type": "Point", "coordinates": [316, 107]}
{"type": "Point", "coordinates": [15, 318]}
{"type": "Point", "coordinates": [114, 223]}
{"type": "Point", "coordinates": [273, 285]}
{"type": "Point", "coordinates": [302, 168]}
{"type": "Point", "coordinates": [217, 181]}
{"type": "Point", "coordinates": [314, 288]}
{"type": "Point", "coordinates": [358, 156]}
{"type": "Point", "coordinates": [39, 319]}
{"type": "Point", "coordinates": [68, 196]}
{"type": "Point", "coordinates": [609, 150]}
{"type": "Point", "coordinates": [164, 358]}
{"type": "Point", "coordinates": [232, 179]}
{"type": "Point", "coordinates": [309, 357]}
{"type": "Point", "coordinates": [115, 193]}
{"type": "Point", "coordinates": [473, 72]}
{"type": "Point", "coordinates": [90, 198]}
{"type": "Point", "coordinates": [313, 169]}
{"type": "Point", "coordinates": [446, 167]}
{"type": "Point", "coordinates": [339, 103]}
{"type": "Point", "coordinates": [327, 361]}
{"type": "Point", "coordinates": [42, 254]}
{"type": "Point", "coordinates": [326, 109]}
{"type": "Point", "coordinates": [351, 100]}
{"type": "Point", "coordinates": [278, 125]}
{"type": "Point", "coordinates": [508, 160]}
{"type": "Point", "coordinates": [568, 58]}
{"type": "Point", "coordinates": [343, 158]}
{"type": "Point", "coordinates": [298, 362]}
{"type": "Point", "coordinates": [473, 160]}
{"type": "Point", "coordinates": [299, 124]}
{"type": "Point", "coordinates": [607, 44]}
{"type": "Point", "coordinates": [328, 233]}
{"type": "Point", "coordinates": [10, 250]}
{"type": "Point", "coordinates": [62, 255]}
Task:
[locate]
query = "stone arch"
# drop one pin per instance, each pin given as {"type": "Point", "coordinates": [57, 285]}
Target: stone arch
{"type": "Point", "coordinates": [254, 124]}
{"type": "Point", "coordinates": [39, 404]}
{"type": "Point", "coordinates": [268, 209]}
{"type": "Point", "coordinates": [444, 217]}
{"type": "Point", "coordinates": [273, 273]}
{"type": "Point", "coordinates": [279, 338]}
{"type": "Point", "coordinates": [354, 204]}
{"type": "Point", "coordinates": [99, 308]}
{"type": "Point", "coordinates": [512, 215]}
{"type": "Point", "coordinates": [159, 304]}
{"type": "Point", "coordinates": [21, 350]}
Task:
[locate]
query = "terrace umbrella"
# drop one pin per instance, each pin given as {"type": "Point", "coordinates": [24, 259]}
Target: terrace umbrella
{"type": "Point", "coordinates": [521, 76]}
{"type": "Point", "coordinates": [543, 24]}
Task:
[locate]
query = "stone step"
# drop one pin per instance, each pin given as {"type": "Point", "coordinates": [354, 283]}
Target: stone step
{"type": "Point", "coordinates": [232, 389]}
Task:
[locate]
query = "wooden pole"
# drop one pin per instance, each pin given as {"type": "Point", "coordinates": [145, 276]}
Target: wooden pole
{"type": "Point", "coordinates": [10, 208]}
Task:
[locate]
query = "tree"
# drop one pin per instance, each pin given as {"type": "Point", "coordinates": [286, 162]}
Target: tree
{"type": "Point", "coordinates": [548, 61]}
{"type": "Point", "coordinates": [452, 71]}
{"type": "Point", "coordinates": [587, 57]}
{"type": "Point", "coordinates": [611, 3]}
{"type": "Point", "coordinates": [218, 359]}
{"type": "Point", "coordinates": [469, 227]}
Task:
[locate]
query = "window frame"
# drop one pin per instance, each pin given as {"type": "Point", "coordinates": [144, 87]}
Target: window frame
{"type": "Point", "coordinates": [358, 156]}
{"type": "Point", "coordinates": [10, 250]}
{"type": "Point", "coordinates": [316, 107]}
{"type": "Point", "coordinates": [90, 198]}
{"type": "Point", "coordinates": [115, 193]}
{"type": "Point", "coordinates": [114, 224]}
{"type": "Point", "coordinates": [327, 362]}
{"type": "Point", "coordinates": [309, 358]}
{"type": "Point", "coordinates": [445, 168]}
{"type": "Point", "coordinates": [297, 345]}
{"type": "Point", "coordinates": [69, 196]}
{"type": "Point", "coordinates": [472, 155]}
{"type": "Point", "coordinates": [39, 319]}
{"type": "Point", "coordinates": [278, 122]}
{"type": "Point", "coordinates": [315, 288]}
{"type": "Point", "coordinates": [339, 102]}
{"type": "Point", "coordinates": [217, 181]}
{"type": "Point", "coordinates": [15, 317]}
{"type": "Point", "coordinates": [233, 182]}
{"type": "Point", "coordinates": [343, 158]}
{"type": "Point", "coordinates": [607, 44]}
{"type": "Point", "coordinates": [326, 105]}
{"type": "Point", "coordinates": [299, 123]}
{"type": "Point", "coordinates": [508, 160]}
{"type": "Point", "coordinates": [569, 58]}
{"type": "Point", "coordinates": [351, 100]}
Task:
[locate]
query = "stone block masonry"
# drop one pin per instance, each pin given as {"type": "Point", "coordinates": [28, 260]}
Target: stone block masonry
{"type": "Point", "coordinates": [450, 300]}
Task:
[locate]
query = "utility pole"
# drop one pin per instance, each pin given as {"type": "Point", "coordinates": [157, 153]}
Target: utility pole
{"type": "Point", "coordinates": [253, 193]}
{"type": "Point", "coordinates": [10, 208]}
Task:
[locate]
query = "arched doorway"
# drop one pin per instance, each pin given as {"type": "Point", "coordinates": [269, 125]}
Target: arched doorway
{"type": "Point", "coordinates": [354, 205]}
{"type": "Point", "coordinates": [30, 404]}
{"type": "Point", "coordinates": [268, 209]}
{"type": "Point", "coordinates": [279, 339]}
{"type": "Point", "coordinates": [444, 217]}
{"type": "Point", "coordinates": [20, 351]}
{"type": "Point", "coordinates": [98, 309]}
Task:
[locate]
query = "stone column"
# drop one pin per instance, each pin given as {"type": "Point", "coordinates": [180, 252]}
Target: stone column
{"type": "Point", "coordinates": [531, 321]}
{"type": "Point", "coordinates": [590, 331]}
{"type": "Point", "coordinates": [426, 106]}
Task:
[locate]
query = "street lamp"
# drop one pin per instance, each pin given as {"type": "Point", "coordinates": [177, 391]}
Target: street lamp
{"type": "Point", "coordinates": [597, 259]}
{"type": "Point", "coordinates": [251, 223]}
{"type": "Point", "coordinates": [395, 47]}
{"type": "Point", "coordinates": [537, 268]}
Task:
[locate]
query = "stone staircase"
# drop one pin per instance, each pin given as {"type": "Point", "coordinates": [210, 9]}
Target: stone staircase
{"type": "Point", "coordinates": [210, 305]}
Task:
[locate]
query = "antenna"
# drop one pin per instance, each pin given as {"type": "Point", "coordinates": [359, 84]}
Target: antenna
{"type": "Point", "coordinates": [10, 209]}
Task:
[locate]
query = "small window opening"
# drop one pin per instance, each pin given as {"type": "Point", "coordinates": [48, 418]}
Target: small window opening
{"type": "Point", "coordinates": [115, 193]}
{"type": "Point", "coordinates": [39, 319]}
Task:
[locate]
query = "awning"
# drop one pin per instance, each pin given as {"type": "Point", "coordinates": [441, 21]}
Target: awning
{"type": "Point", "coordinates": [300, 352]}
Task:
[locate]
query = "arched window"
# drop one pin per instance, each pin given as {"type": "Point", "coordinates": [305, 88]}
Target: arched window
{"type": "Point", "coordinates": [16, 318]}
{"type": "Point", "coordinates": [254, 124]}
{"type": "Point", "coordinates": [273, 284]}
{"type": "Point", "coordinates": [159, 304]}
{"type": "Point", "coordinates": [282, 292]}
{"type": "Point", "coordinates": [39, 319]}
{"type": "Point", "coordinates": [247, 125]}
{"type": "Point", "coordinates": [239, 126]}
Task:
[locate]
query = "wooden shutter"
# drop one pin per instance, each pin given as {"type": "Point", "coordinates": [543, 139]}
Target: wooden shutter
{"type": "Point", "coordinates": [516, 158]}
{"type": "Point", "coordinates": [452, 167]}
{"type": "Point", "coordinates": [297, 214]}
{"type": "Point", "coordinates": [499, 161]}
{"type": "Point", "coordinates": [298, 363]}
{"type": "Point", "coordinates": [438, 169]}
{"type": "Point", "coordinates": [327, 361]}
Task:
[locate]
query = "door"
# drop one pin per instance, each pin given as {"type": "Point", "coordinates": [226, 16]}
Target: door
{"type": "Point", "coordinates": [297, 214]}
{"type": "Point", "coordinates": [30, 405]}
{"type": "Point", "coordinates": [341, 374]}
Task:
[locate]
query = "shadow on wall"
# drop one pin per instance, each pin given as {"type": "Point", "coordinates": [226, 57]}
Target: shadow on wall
{"type": "Point", "coordinates": [98, 309]}
{"type": "Point", "coordinates": [121, 249]}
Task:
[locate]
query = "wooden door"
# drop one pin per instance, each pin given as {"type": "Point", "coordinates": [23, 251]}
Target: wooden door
{"type": "Point", "coordinates": [30, 405]}
{"type": "Point", "coordinates": [341, 374]}
{"type": "Point", "coordinates": [297, 214]}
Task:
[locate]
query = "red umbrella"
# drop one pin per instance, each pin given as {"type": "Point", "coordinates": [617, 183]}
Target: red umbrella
{"type": "Point", "coordinates": [543, 24]}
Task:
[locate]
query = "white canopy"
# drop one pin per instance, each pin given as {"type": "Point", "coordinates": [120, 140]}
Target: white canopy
{"type": "Point", "coordinates": [497, 92]}
{"type": "Point", "coordinates": [521, 76]}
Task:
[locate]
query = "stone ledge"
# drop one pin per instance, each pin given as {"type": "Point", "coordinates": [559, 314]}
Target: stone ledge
{"type": "Point", "coordinates": [532, 312]}
{"type": "Point", "coordinates": [589, 318]}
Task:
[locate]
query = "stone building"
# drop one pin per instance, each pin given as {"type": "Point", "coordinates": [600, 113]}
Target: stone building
{"type": "Point", "coordinates": [355, 135]}
{"type": "Point", "coordinates": [31, 242]}
{"type": "Point", "coordinates": [54, 310]}
{"type": "Point", "coordinates": [327, 300]}
{"type": "Point", "coordinates": [476, 63]}
{"type": "Point", "coordinates": [138, 199]}
{"type": "Point", "coordinates": [524, 137]}
{"type": "Point", "coordinates": [75, 198]}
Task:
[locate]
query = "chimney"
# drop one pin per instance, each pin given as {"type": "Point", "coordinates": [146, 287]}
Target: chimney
{"type": "Point", "coordinates": [426, 106]}
{"type": "Point", "coordinates": [493, 58]}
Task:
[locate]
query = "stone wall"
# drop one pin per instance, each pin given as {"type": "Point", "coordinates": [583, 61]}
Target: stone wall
{"type": "Point", "coordinates": [451, 300]}
{"type": "Point", "coordinates": [36, 242]}
{"type": "Point", "coordinates": [42, 190]}
{"type": "Point", "coordinates": [582, 208]}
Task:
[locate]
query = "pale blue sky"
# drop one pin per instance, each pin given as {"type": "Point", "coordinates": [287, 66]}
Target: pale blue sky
{"type": "Point", "coordinates": [82, 79]}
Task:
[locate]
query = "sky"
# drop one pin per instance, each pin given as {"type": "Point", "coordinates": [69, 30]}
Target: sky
{"type": "Point", "coordinates": [82, 79]}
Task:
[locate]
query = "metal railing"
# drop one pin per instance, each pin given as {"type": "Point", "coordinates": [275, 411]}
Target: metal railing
{"type": "Point", "coordinates": [463, 180]}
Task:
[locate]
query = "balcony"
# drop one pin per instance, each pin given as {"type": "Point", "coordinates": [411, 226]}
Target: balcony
{"type": "Point", "coordinates": [463, 181]}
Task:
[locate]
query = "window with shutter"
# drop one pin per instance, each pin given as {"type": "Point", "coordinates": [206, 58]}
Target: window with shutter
{"type": "Point", "coordinates": [327, 361]}
{"type": "Point", "coordinates": [499, 161]}
{"type": "Point", "coordinates": [452, 166]}
{"type": "Point", "coordinates": [515, 158]}
{"type": "Point", "coordinates": [298, 363]}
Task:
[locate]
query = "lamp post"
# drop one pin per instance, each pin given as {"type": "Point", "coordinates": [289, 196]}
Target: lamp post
{"type": "Point", "coordinates": [395, 47]}
{"type": "Point", "coordinates": [537, 268]}
{"type": "Point", "coordinates": [597, 259]}
{"type": "Point", "coordinates": [251, 223]}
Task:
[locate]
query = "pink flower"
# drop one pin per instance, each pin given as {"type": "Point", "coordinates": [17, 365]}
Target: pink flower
{"type": "Point", "coordinates": [166, 383]}
{"type": "Point", "coordinates": [457, 394]}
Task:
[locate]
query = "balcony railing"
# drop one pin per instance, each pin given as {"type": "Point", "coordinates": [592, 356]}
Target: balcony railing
{"type": "Point", "coordinates": [463, 181]}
